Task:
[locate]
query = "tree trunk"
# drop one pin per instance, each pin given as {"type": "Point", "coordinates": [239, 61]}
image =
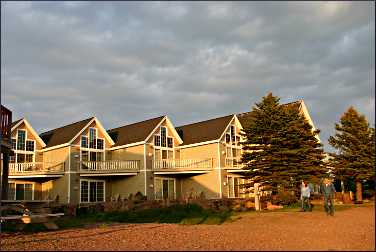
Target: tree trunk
{"type": "Point", "coordinates": [359, 199]}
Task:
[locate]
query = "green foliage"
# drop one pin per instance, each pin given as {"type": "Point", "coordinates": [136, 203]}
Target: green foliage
{"type": "Point", "coordinates": [280, 148]}
{"type": "Point", "coordinates": [355, 142]}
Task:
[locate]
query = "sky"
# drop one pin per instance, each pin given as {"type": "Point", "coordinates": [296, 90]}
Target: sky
{"type": "Point", "coordinates": [125, 62]}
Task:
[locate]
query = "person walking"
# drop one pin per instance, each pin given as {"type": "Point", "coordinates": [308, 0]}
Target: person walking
{"type": "Point", "coordinates": [328, 190]}
{"type": "Point", "coordinates": [304, 196]}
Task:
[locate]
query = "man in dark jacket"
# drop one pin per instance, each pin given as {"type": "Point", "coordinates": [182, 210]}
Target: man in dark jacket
{"type": "Point", "coordinates": [328, 190]}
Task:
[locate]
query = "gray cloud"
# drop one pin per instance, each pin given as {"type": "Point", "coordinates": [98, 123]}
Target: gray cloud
{"type": "Point", "coordinates": [129, 61]}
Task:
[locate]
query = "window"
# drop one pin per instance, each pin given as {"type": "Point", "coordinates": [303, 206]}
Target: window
{"type": "Point", "coordinates": [30, 145]}
{"type": "Point", "coordinates": [20, 191]}
{"type": "Point", "coordinates": [228, 138]}
{"type": "Point", "coordinates": [11, 190]}
{"type": "Point", "coordinates": [92, 191]}
{"type": "Point", "coordinates": [29, 158]}
{"type": "Point", "coordinates": [14, 142]}
{"type": "Point", "coordinates": [85, 156]}
{"type": "Point", "coordinates": [84, 141]}
{"type": "Point", "coordinates": [12, 159]}
{"type": "Point", "coordinates": [92, 137]}
{"type": "Point", "coordinates": [20, 158]}
{"type": "Point", "coordinates": [163, 136]}
{"type": "Point", "coordinates": [93, 156]}
{"type": "Point", "coordinates": [84, 191]}
{"type": "Point", "coordinates": [157, 140]}
{"type": "Point", "coordinates": [21, 136]}
{"type": "Point", "coordinates": [100, 144]}
{"type": "Point", "coordinates": [100, 156]}
{"type": "Point", "coordinates": [232, 130]}
{"type": "Point", "coordinates": [164, 154]}
{"type": "Point", "coordinates": [170, 142]}
{"type": "Point", "coordinates": [164, 188]}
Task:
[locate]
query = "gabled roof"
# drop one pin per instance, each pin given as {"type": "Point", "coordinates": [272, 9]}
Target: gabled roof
{"type": "Point", "coordinates": [204, 131]}
{"type": "Point", "coordinates": [135, 132]}
{"type": "Point", "coordinates": [18, 122]}
{"type": "Point", "coordinates": [64, 134]}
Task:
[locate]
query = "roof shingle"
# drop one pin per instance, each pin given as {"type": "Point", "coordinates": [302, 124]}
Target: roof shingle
{"type": "Point", "coordinates": [135, 132]}
{"type": "Point", "coordinates": [203, 131]}
{"type": "Point", "coordinates": [63, 134]}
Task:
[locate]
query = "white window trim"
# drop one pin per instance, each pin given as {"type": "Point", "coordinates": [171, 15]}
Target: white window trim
{"type": "Point", "coordinates": [22, 183]}
{"type": "Point", "coordinates": [164, 148]}
{"type": "Point", "coordinates": [168, 179]}
{"type": "Point", "coordinates": [24, 151]}
{"type": "Point", "coordinates": [88, 190]}
{"type": "Point", "coordinates": [88, 149]}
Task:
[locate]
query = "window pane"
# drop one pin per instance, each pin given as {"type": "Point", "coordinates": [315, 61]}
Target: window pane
{"type": "Point", "coordinates": [157, 140]}
{"type": "Point", "coordinates": [92, 136]}
{"type": "Point", "coordinates": [21, 140]}
{"type": "Point", "coordinates": [236, 187]}
{"type": "Point", "coordinates": [163, 136]}
{"type": "Point", "coordinates": [28, 191]}
{"type": "Point", "coordinates": [14, 142]}
{"type": "Point", "coordinates": [165, 188]}
{"type": "Point", "coordinates": [157, 154]}
{"type": "Point", "coordinates": [169, 142]}
{"type": "Point", "coordinates": [170, 155]}
{"type": "Point", "coordinates": [171, 189]}
{"type": "Point", "coordinates": [20, 191]}
{"type": "Point", "coordinates": [158, 188]}
{"type": "Point", "coordinates": [164, 154]}
{"type": "Point", "coordinates": [93, 156]}
{"type": "Point", "coordinates": [11, 191]}
{"type": "Point", "coordinates": [85, 156]}
{"type": "Point", "coordinates": [29, 158]}
{"type": "Point", "coordinates": [29, 145]}
{"type": "Point", "coordinates": [230, 187]}
{"type": "Point", "coordinates": [227, 138]}
{"type": "Point", "coordinates": [100, 156]}
{"type": "Point", "coordinates": [84, 141]}
{"type": "Point", "coordinates": [93, 191]}
{"type": "Point", "coordinates": [100, 144]}
{"type": "Point", "coordinates": [100, 191]}
{"type": "Point", "coordinates": [20, 158]}
{"type": "Point", "coordinates": [84, 191]}
{"type": "Point", "coordinates": [12, 159]}
{"type": "Point", "coordinates": [232, 130]}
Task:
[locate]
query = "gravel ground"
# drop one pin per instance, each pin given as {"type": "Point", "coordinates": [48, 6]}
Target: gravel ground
{"type": "Point", "coordinates": [351, 229]}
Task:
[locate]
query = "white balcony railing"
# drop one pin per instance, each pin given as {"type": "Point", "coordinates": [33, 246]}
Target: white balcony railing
{"type": "Point", "coordinates": [110, 166]}
{"type": "Point", "coordinates": [35, 168]}
{"type": "Point", "coordinates": [233, 163]}
{"type": "Point", "coordinates": [183, 164]}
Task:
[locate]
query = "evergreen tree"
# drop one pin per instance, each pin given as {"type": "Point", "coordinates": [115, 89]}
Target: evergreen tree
{"type": "Point", "coordinates": [280, 147]}
{"type": "Point", "coordinates": [355, 141]}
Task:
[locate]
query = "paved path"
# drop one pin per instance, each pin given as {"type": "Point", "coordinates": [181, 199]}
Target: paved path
{"type": "Point", "coordinates": [351, 229]}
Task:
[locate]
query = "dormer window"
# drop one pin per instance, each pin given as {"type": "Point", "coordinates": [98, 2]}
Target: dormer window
{"type": "Point", "coordinates": [163, 145]}
{"type": "Point", "coordinates": [92, 147]}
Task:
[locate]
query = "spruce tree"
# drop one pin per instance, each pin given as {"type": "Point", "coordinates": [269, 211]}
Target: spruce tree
{"type": "Point", "coordinates": [280, 147]}
{"type": "Point", "coordinates": [355, 142]}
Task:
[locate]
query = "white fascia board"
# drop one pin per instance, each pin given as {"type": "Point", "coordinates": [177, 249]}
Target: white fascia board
{"type": "Point", "coordinates": [55, 147]}
{"type": "Point", "coordinates": [126, 145]}
{"type": "Point", "coordinates": [197, 144]}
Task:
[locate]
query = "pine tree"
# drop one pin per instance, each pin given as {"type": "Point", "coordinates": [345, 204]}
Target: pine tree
{"type": "Point", "coordinates": [280, 147]}
{"type": "Point", "coordinates": [355, 141]}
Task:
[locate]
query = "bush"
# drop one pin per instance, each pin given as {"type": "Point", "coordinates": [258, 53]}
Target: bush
{"type": "Point", "coordinates": [284, 198]}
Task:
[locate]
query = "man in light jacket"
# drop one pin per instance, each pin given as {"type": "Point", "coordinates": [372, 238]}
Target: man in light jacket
{"type": "Point", "coordinates": [304, 196]}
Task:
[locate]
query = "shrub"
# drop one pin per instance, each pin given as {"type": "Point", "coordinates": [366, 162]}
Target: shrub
{"type": "Point", "coordinates": [284, 198]}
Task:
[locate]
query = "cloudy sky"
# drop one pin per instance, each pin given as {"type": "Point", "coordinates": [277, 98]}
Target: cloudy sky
{"type": "Point", "coordinates": [128, 61]}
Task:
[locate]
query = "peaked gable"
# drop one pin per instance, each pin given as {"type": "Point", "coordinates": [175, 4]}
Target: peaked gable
{"type": "Point", "coordinates": [19, 122]}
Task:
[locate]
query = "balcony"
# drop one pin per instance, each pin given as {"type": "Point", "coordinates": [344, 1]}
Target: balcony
{"type": "Point", "coordinates": [36, 169]}
{"type": "Point", "coordinates": [109, 167]}
{"type": "Point", "coordinates": [5, 126]}
{"type": "Point", "coordinates": [233, 163]}
{"type": "Point", "coordinates": [181, 166]}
